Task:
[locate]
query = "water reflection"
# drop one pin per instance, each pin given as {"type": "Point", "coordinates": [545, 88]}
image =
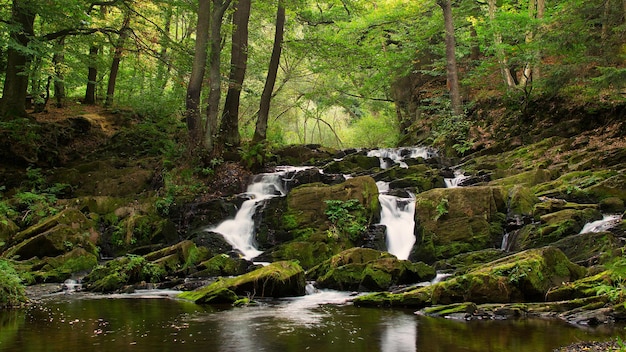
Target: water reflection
{"type": "Point", "coordinates": [399, 334]}
{"type": "Point", "coordinates": [320, 322]}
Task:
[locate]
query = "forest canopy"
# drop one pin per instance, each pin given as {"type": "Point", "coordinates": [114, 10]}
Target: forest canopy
{"type": "Point", "coordinates": [342, 73]}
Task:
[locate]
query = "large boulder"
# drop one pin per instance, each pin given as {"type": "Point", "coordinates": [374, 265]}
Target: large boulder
{"type": "Point", "coordinates": [363, 269]}
{"type": "Point", "coordinates": [306, 204]}
{"type": "Point", "coordinates": [553, 227]}
{"type": "Point", "coordinates": [280, 279]}
{"type": "Point", "coordinates": [450, 221]}
{"type": "Point", "coordinates": [54, 236]}
{"type": "Point", "coordinates": [223, 265]}
{"type": "Point", "coordinates": [523, 277]}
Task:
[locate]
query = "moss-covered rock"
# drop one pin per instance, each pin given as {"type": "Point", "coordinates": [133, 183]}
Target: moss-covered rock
{"type": "Point", "coordinates": [364, 269]}
{"type": "Point", "coordinates": [117, 273]}
{"type": "Point", "coordinates": [553, 227]}
{"type": "Point", "coordinates": [306, 253]}
{"type": "Point", "coordinates": [527, 178]}
{"type": "Point", "coordinates": [223, 265]}
{"type": "Point", "coordinates": [63, 267]}
{"type": "Point", "coordinates": [60, 234]}
{"type": "Point", "coordinates": [465, 262]}
{"type": "Point", "coordinates": [585, 287]}
{"type": "Point", "coordinates": [458, 220]}
{"type": "Point", "coordinates": [590, 248]}
{"type": "Point", "coordinates": [280, 279]}
{"type": "Point", "coordinates": [586, 186]}
{"type": "Point", "coordinates": [108, 177]}
{"type": "Point", "coordinates": [302, 154]}
{"type": "Point", "coordinates": [352, 164]}
{"type": "Point", "coordinates": [306, 204]}
{"type": "Point", "coordinates": [525, 276]}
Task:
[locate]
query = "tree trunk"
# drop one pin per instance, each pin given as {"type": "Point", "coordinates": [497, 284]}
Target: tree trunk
{"type": "Point", "coordinates": [194, 88]}
{"type": "Point", "coordinates": [497, 39]}
{"type": "Point", "coordinates": [229, 127]}
{"type": "Point", "coordinates": [165, 65]}
{"type": "Point", "coordinates": [451, 67]}
{"type": "Point", "coordinates": [58, 59]}
{"type": "Point", "coordinates": [15, 90]}
{"type": "Point", "coordinates": [260, 133]}
{"type": "Point", "coordinates": [117, 57]}
{"type": "Point", "coordinates": [92, 76]}
{"type": "Point", "coordinates": [215, 81]}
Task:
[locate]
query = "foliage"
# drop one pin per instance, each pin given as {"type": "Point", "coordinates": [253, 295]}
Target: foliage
{"type": "Point", "coordinates": [346, 218]}
{"type": "Point", "coordinates": [11, 288]}
{"type": "Point", "coordinates": [616, 288]}
{"type": "Point", "coordinates": [441, 209]}
{"type": "Point", "coordinates": [370, 131]}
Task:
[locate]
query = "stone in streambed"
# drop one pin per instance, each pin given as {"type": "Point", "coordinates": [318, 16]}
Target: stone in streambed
{"type": "Point", "coordinates": [279, 279]}
{"type": "Point", "coordinates": [523, 277]}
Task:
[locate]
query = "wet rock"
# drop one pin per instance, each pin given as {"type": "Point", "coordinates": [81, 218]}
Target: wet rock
{"type": "Point", "coordinates": [223, 265]}
{"type": "Point", "coordinates": [306, 204]}
{"type": "Point", "coordinates": [523, 277]}
{"type": "Point", "coordinates": [280, 279]}
{"type": "Point", "coordinates": [212, 241]}
{"type": "Point", "coordinates": [363, 269]}
{"type": "Point", "coordinates": [457, 220]}
{"type": "Point", "coordinates": [553, 227]}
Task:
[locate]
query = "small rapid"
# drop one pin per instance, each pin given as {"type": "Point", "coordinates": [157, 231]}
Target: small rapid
{"type": "Point", "coordinates": [608, 221]}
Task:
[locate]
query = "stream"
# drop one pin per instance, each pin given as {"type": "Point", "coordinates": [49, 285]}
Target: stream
{"type": "Point", "coordinates": [322, 321]}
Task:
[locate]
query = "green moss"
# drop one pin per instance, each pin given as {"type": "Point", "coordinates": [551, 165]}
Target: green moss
{"type": "Point", "coordinates": [278, 279]}
{"type": "Point", "coordinates": [12, 292]}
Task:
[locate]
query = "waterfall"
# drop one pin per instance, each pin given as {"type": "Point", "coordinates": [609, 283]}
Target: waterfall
{"type": "Point", "coordinates": [606, 223]}
{"type": "Point", "coordinates": [454, 182]}
{"type": "Point", "coordinates": [390, 156]}
{"type": "Point", "coordinates": [239, 232]}
{"type": "Point", "coordinates": [398, 216]}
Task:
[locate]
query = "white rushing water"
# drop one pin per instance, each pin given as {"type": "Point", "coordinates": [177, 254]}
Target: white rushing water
{"type": "Point", "coordinates": [398, 215]}
{"type": "Point", "coordinates": [390, 156]}
{"type": "Point", "coordinates": [606, 223]}
{"type": "Point", "coordinates": [459, 176]}
{"type": "Point", "coordinates": [239, 232]}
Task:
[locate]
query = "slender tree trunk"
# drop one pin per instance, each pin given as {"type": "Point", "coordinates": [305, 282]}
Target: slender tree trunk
{"type": "Point", "coordinates": [497, 38]}
{"type": "Point", "coordinates": [215, 81]}
{"type": "Point", "coordinates": [451, 67]}
{"type": "Point", "coordinates": [15, 90]}
{"type": "Point", "coordinates": [165, 66]}
{"type": "Point", "coordinates": [92, 76]}
{"type": "Point", "coordinates": [117, 57]}
{"type": "Point", "coordinates": [229, 127]}
{"type": "Point", "coordinates": [58, 59]}
{"type": "Point", "coordinates": [260, 133]}
{"type": "Point", "coordinates": [194, 88]}
{"type": "Point", "coordinates": [605, 20]}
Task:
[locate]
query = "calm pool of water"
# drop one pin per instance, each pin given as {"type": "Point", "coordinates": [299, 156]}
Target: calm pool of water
{"type": "Point", "coordinates": [147, 321]}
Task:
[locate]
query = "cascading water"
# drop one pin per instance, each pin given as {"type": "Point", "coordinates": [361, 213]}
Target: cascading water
{"type": "Point", "coordinates": [390, 156]}
{"type": "Point", "coordinates": [397, 214]}
{"type": "Point", "coordinates": [454, 182]}
{"type": "Point", "coordinates": [239, 232]}
{"type": "Point", "coordinates": [606, 223]}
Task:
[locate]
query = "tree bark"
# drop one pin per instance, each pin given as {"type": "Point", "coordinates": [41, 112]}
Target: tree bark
{"type": "Point", "coordinates": [451, 67]}
{"type": "Point", "coordinates": [194, 88]}
{"type": "Point", "coordinates": [15, 90]}
{"type": "Point", "coordinates": [117, 57]}
{"type": "Point", "coordinates": [92, 76]}
{"type": "Point", "coordinates": [260, 132]}
{"type": "Point", "coordinates": [229, 127]}
{"type": "Point", "coordinates": [497, 39]}
{"type": "Point", "coordinates": [215, 81]}
{"type": "Point", "coordinates": [58, 59]}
